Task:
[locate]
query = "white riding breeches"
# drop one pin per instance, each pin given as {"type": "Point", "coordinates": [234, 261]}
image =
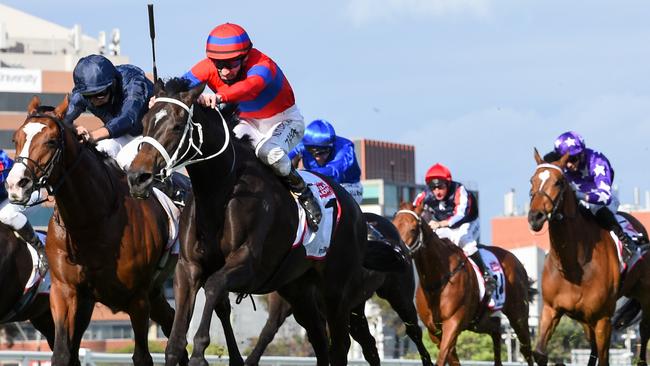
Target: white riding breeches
{"type": "Point", "coordinates": [14, 215]}
{"type": "Point", "coordinates": [355, 189]}
{"type": "Point", "coordinates": [465, 236]}
{"type": "Point", "coordinates": [117, 149]}
{"type": "Point", "coordinates": [274, 137]}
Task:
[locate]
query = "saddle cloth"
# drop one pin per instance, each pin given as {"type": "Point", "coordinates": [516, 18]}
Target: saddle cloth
{"type": "Point", "coordinates": [498, 297]}
{"type": "Point", "coordinates": [632, 233]}
{"type": "Point", "coordinates": [173, 217]}
{"type": "Point", "coordinates": [317, 243]}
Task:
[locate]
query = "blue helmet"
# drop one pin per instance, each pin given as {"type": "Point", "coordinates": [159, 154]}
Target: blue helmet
{"type": "Point", "coordinates": [93, 74]}
{"type": "Point", "coordinates": [569, 142]}
{"type": "Point", "coordinates": [319, 133]}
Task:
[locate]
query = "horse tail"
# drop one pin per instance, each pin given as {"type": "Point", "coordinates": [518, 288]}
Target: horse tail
{"type": "Point", "coordinates": [626, 314]}
{"type": "Point", "coordinates": [531, 290]}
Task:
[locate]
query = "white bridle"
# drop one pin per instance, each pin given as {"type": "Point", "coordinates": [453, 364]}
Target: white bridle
{"type": "Point", "coordinates": [172, 162]}
{"type": "Point", "coordinates": [419, 240]}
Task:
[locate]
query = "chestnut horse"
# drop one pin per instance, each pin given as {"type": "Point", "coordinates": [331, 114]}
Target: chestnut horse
{"type": "Point", "coordinates": [447, 297]}
{"type": "Point", "coordinates": [102, 245]}
{"type": "Point", "coordinates": [581, 276]}
{"type": "Point", "coordinates": [18, 303]}
{"type": "Point", "coordinates": [244, 221]}
{"type": "Point", "coordinates": [398, 288]}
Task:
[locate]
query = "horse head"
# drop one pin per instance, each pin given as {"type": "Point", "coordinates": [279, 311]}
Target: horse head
{"type": "Point", "coordinates": [548, 192]}
{"type": "Point", "coordinates": [408, 221]}
{"type": "Point", "coordinates": [40, 142]}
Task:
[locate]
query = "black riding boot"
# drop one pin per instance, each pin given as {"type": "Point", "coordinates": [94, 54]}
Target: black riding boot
{"type": "Point", "coordinates": [490, 283]}
{"type": "Point", "coordinates": [607, 220]}
{"type": "Point", "coordinates": [29, 235]}
{"type": "Point", "coordinates": [307, 200]}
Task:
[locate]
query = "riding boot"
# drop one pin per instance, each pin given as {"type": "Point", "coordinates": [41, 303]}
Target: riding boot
{"type": "Point", "coordinates": [490, 283]}
{"type": "Point", "coordinates": [29, 235]}
{"type": "Point", "coordinates": [607, 220]}
{"type": "Point", "coordinates": [307, 200]}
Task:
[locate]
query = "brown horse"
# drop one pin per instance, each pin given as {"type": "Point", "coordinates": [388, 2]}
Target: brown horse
{"type": "Point", "coordinates": [102, 245]}
{"type": "Point", "coordinates": [581, 275]}
{"type": "Point", "coordinates": [398, 288]}
{"type": "Point", "coordinates": [17, 303]}
{"type": "Point", "coordinates": [448, 299]}
{"type": "Point", "coordinates": [243, 225]}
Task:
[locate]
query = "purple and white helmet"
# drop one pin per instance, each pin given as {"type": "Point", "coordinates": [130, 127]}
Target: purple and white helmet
{"type": "Point", "coordinates": [569, 142]}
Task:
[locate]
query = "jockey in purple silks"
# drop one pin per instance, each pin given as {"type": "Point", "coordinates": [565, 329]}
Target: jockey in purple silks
{"type": "Point", "coordinates": [591, 175]}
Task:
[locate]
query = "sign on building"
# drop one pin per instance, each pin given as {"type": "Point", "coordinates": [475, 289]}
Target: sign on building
{"type": "Point", "coordinates": [21, 80]}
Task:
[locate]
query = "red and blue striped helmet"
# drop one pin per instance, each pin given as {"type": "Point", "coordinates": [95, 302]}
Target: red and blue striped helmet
{"type": "Point", "coordinates": [569, 142]}
{"type": "Point", "coordinates": [319, 133]}
{"type": "Point", "coordinates": [227, 41]}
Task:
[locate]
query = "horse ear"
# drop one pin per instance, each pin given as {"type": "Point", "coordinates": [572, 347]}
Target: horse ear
{"type": "Point", "coordinates": [538, 158]}
{"type": "Point", "coordinates": [159, 88]}
{"type": "Point", "coordinates": [33, 104]}
{"type": "Point", "coordinates": [60, 109]}
{"type": "Point", "coordinates": [190, 97]}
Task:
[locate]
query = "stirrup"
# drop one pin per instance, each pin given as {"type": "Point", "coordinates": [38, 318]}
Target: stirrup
{"type": "Point", "coordinates": [42, 266]}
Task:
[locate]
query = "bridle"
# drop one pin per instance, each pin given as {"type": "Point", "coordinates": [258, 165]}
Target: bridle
{"type": "Point", "coordinates": [419, 241]}
{"type": "Point", "coordinates": [553, 215]}
{"type": "Point", "coordinates": [181, 158]}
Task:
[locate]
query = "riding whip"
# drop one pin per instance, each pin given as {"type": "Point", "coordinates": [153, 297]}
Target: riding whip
{"type": "Point", "coordinates": [152, 34]}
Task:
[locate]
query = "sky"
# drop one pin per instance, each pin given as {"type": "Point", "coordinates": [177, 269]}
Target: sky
{"type": "Point", "coordinates": [473, 84]}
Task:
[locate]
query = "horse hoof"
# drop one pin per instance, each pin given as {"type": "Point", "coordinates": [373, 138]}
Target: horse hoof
{"type": "Point", "coordinates": [195, 361]}
{"type": "Point", "coordinates": [540, 358]}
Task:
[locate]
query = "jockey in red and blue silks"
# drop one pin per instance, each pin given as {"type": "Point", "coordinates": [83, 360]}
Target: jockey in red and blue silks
{"type": "Point", "coordinates": [591, 175]}
{"type": "Point", "coordinates": [452, 212]}
{"type": "Point", "coordinates": [239, 73]}
{"type": "Point", "coordinates": [13, 215]}
{"type": "Point", "coordinates": [117, 95]}
{"type": "Point", "coordinates": [323, 152]}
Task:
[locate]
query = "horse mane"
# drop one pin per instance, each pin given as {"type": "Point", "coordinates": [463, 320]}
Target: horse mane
{"type": "Point", "coordinates": [552, 157]}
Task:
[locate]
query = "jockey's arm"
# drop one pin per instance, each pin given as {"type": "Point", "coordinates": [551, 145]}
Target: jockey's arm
{"type": "Point", "coordinates": [340, 163]}
{"type": "Point", "coordinates": [76, 106]}
{"type": "Point", "coordinates": [132, 105]}
{"type": "Point", "coordinates": [296, 155]}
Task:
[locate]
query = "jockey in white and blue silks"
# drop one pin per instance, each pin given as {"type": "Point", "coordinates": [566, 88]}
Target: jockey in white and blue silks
{"type": "Point", "coordinates": [591, 175]}
{"type": "Point", "coordinates": [333, 156]}
{"type": "Point", "coordinates": [13, 215]}
{"type": "Point", "coordinates": [118, 96]}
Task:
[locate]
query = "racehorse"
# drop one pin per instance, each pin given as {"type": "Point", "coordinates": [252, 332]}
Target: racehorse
{"type": "Point", "coordinates": [581, 275]}
{"type": "Point", "coordinates": [244, 223]}
{"type": "Point", "coordinates": [447, 297]}
{"type": "Point", "coordinates": [398, 288]}
{"type": "Point", "coordinates": [102, 245]}
{"type": "Point", "coordinates": [21, 301]}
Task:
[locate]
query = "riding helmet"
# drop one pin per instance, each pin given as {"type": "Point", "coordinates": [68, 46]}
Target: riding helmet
{"type": "Point", "coordinates": [93, 74]}
{"type": "Point", "coordinates": [569, 142]}
{"type": "Point", "coordinates": [227, 41]}
{"type": "Point", "coordinates": [437, 171]}
{"type": "Point", "coordinates": [319, 133]}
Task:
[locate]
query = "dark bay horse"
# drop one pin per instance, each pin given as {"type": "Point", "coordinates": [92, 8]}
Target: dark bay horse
{"type": "Point", "coordinates": [447, 297]}
{"type": "Point", "coordinates": [16, 304]}
{"type": "Point", "coordinates": [581, 275]}
{"type": "Point", "coordinates": [398, 288]}
{"type": "Point", "coordinates": [102, 245]}
{"type": "Point", "coordinates": [244, 222]}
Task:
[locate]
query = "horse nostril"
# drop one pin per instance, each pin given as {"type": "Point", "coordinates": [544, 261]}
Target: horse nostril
{"type": "Point", "coordinates": [22, 183]}
{"type": "Point", "coordinates": [144, 178]}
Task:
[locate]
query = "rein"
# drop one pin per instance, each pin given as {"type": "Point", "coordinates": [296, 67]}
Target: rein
{"type": "Point", "coordinates": [180, 159]}
{"type": "Point", "coordinates": [553, 215]}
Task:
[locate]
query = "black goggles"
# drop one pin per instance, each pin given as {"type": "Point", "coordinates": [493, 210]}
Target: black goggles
{"type": "Point", "coordinates": [437, 184]}
{"type": "Point", "coordinates": [101, 94]}
{"type": "Point", "coordinates": [228, 64]}
{"type": "Point", "coordinates": [319, 150]}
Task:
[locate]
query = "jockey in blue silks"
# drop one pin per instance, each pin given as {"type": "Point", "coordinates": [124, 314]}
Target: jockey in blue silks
{"type": "Point", "coordinates": [13, 215]}
{"type": "Point", "coordinates": [591, 175]}
{"type": "Point", "coordinates": [325, 153]}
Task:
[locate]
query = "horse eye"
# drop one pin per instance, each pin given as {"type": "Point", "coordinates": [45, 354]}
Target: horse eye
{"type": "Point", "coordinates": [178, 128]}
{"type": "Point", "coordinates": [52, 143]}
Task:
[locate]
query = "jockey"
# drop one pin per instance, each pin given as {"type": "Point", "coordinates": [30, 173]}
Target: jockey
{"type": "Point", "coordinates": [116, 95]}
{"type": "Point", "coordinates": [591, 176]}
{"type": "Point", "coordinates": [333, 156]}
{"type": "Point", "coordinates": [454, 215]}
{"type": "Point", "coordinates": [12, 215]}
{"type": "Point", "coordinates": [239, 73]}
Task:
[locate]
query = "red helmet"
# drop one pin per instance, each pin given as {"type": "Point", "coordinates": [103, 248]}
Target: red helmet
{"type": "Point", "coordinates": [437, 171]}
{"type": "Point", "coordinates": [227, 41]}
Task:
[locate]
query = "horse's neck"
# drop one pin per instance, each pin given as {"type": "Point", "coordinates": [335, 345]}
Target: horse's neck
{"type": "Point", "coordinates": [88, 188]}
{"type": "Point", "coordinates": [434, 255]}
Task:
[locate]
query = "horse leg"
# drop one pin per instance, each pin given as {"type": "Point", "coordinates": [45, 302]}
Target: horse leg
{"type": "Point", "coordinates": [495, 334]}
{"type": "Point", "coordinates": [279, 311]}
{"type": "Point", "coordinates": [163, 314]}
{"type": "Point", "coordinates": [520, 326]}
{"type": "Point", "coordinates": [301, 294]}
{"type": "Point", "coordinates": [338, 319]}
{"type": "Point", "coordinates": [550, 319]}
{"type": "Point", "coordinates": [644, 329]}
{"type": "Point", "coordinates": [603, 336]}
{"type": "Point", "coordinates": [70, 318]}
{"type": "Point", "coordinates": [138, 311]}
{"type": "Point", "coordinates": [591, 338]}
{"type": "Point", "coordinates": [186, 285]}
{"type": "Point", "coordinates": [45, 324]}
{"type": "Point", "coordinates": [222, 309]}
{"type": "Point", "coordinates": [403, 306]}
{"type": "Point", "coordinates": [360, 332]}
{"type": "Point", "coordinates": [450, 331]}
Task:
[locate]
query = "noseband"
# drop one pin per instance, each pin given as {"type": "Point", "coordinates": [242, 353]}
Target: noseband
{"type": "Point", "coordinates": [180, 159]}
{"type": "Point", "coordinates": [419, 241]}
{"type": "Point", "coordinates": [553, 215]}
